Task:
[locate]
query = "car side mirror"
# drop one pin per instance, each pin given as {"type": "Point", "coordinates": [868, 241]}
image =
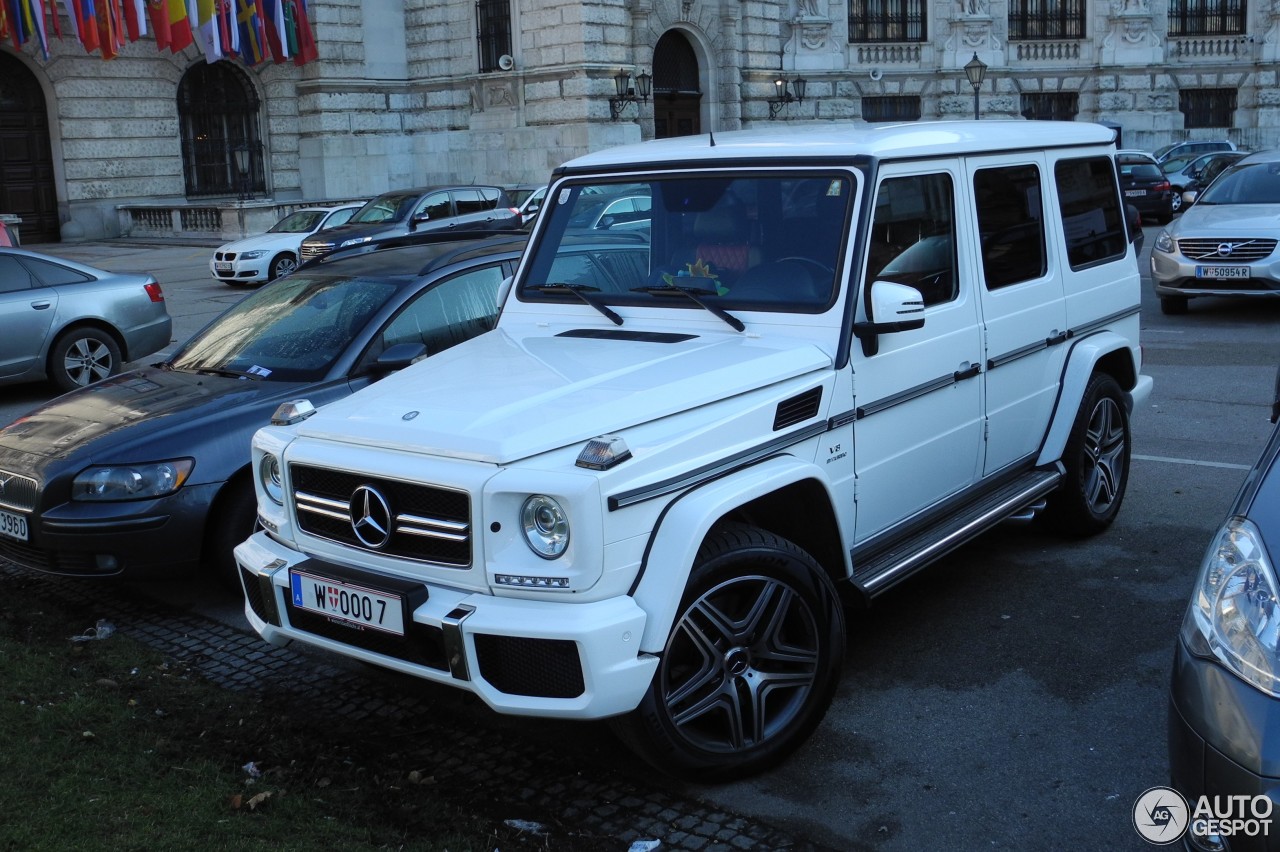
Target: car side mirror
{"type": "Point", "coordinates": [399, 356]}
{"type": "Point", "coordinates": [893, 308]}
{"type": "Point", "coordinates": [504, 289]}
{"type": "Point", "coordinates": [1189, 197]}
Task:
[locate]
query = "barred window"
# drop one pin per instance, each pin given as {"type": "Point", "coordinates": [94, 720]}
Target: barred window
{"type": "Point", "coordinates": [1206, 17]}
{"type": "Point", "coordinates": [218, 116]}
{"type": "Point", "coordinates": [493, 32]}
{"type": "Point", "coordinates": [891, 108]}
{"type": "Point", "coordinates": [1207, 107]}
{"type": "Point", "coordinates": [887, 20]}
{"type": "Point", "coordinates": [1035, 20]}
{"type": "Point", "coordinates": [1050, 106]}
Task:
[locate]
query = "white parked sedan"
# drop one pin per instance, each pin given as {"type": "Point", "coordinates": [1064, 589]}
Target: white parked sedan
{"type": "Point", "coordinates": [266, 257]}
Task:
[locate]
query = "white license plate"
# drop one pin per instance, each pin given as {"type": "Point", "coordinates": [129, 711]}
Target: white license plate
{"type": "Point", "coordinates": [356, 606]}
{"type": "Point", "coordinates": [1135, 193]}
{"type": "Point", "coordinates": [223, 265]}
{"type": "Point", "coordinates": [13, 526]}
{"type": "Point", "coordinates": [1222, 272]}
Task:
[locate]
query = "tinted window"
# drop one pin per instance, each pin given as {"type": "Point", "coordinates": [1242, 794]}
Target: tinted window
{"type": "Point", "coordinates": [1254, 183]}
{"type": "Point", "coordinates": [469, 201]}
{"type": "Point", "coordinates": [1011, 224]}
{"type": "Point", "coordinates": [912, 239]}
{"type": "Point", "coordinates": [13, 275]}
{"type": "Point", "coordinates": [1146, 172]}
{"type": "Point", "coordinates": [490, 196]}
{"type": "Point", "coordinates": [340, 217]}
{"type": "Point", "coordinates": [452, 311]}
{"type": "Point", "coordinates": [435, 206]}
{"type": "Point", "coordinates": [385, 208]}
{"type": "Point", "coordinates": [53, 274]}
{"type": "Point", "coordinates": [1092, 222]}
{"type": "Point", "coordinates": [300, 222]}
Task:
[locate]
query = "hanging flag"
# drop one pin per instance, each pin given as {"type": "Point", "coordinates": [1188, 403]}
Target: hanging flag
{"type": "Point", "coordinates": [274, 26]}
{"type": "Point", "coordinates": [34, 10]}
{"type": "Point", "coordinates": [106, 20]}
{"type": "Point", "coordinates": [228, 34]}
{"type": "Point", "coordinates": [204, 29]}
{"type": "Point", "coordinates": [88, 20]}
{"type": "Point", "coordinates": [135, 19]}
{"type": "Point", "coordinates": [52, 8]}
{"type": "Point", "coordinates": [302, 46]}
{"type": "Point", "coordinates": [253, 50]}
{"type": "Point", "coordinates": [179, 25]}
{"type": "Point", "coordinates": [73, 15]}
{"type": "Point", "coordinates": [6, 27]}
{"type": "Point", "coordinates": [159, 22]}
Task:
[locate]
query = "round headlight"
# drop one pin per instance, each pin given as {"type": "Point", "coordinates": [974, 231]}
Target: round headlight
{"type": "Point", "coordinates": [269, 477]}
{"type": "Point", "coordinates": [546, 527]}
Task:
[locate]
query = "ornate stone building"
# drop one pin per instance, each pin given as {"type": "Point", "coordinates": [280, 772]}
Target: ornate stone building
{"type": "Point", "coordinates": [426, 91]}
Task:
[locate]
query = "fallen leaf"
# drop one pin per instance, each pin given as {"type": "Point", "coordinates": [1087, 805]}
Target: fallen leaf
{"type": "Point", "coordinates": [259, 799]}
{"type": "Point", "coordinates": [236, 801]}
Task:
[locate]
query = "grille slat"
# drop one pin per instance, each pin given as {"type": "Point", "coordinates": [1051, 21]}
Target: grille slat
{"type": "Point", "coordinates": [17, 491]}
{"type": "Point", "coordinates": [1242, 249]}
{"type": "Point", "coordinates": [428, 523]}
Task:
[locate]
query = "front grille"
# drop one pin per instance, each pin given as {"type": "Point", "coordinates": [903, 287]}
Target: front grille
{"type": "Point", "coordinates": [17, 491]}
{"type": "Point", "coordinates": [425, 523]}
{"type": "Point", "coordinates": [421, 645]}
{"type": "Point", "coordinates": [542, 668]}
{"type": "Point", "coordinates": [1237, 249]}
{"type": "Point", "coordinates": [310, 251]}
{"type": "Point", "coordinates": [224, 255]}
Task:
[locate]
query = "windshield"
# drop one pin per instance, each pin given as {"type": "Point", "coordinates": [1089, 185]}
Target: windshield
{"type": "Point", "coordinates": [1255, 183]}
{"type": "Point", "coordinates": [290, 331]}
{"type": "Point", "coordinates": [300, 222]}
{"type": "Point", "coordinates": [752, 241]}
{"type": "Point", "coordinates": [385, 208]}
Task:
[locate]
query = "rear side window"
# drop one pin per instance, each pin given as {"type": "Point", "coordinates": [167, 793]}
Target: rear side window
{"type": "Point", "coordinates": [490, 195]}
{"type": "Point", "coordinates": [52, 274]}
{"type": "Point", "coordinates": [1011, 224]}
{"type": "Point", "coordinates": [1092, 223]}
{"type": "Point", "coordinates": [469, 201]}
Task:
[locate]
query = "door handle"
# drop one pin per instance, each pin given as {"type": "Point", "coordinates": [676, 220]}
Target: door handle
{"type": "Point", "coordinates": [40, 306]}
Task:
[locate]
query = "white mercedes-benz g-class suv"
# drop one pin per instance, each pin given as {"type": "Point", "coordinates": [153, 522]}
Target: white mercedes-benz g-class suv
{"type": "Point", "coordinates": [812, 361]}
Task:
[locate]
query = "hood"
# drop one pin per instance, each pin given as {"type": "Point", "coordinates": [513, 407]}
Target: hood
{"type": "Point", "coordinates": [1241, 220]}
{"type": "Point", "coordinates": [266, 242]}
{"type": "Point", "coordinates": [146, 414]}
{"type": "Point", "coordinates": [349, 231]}
{"type": "Point", "coordinates": [497, 398]}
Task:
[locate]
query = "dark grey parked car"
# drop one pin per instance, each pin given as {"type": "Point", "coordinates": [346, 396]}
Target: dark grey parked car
{"type": "Point", "coordinates": [148, 472]}
{"type": "Point", "coordinates": [415, 211]}
{"type": "Point", "coordinates": [1224, 700]}
{"type": "Point", "coordinates": [74, 324]}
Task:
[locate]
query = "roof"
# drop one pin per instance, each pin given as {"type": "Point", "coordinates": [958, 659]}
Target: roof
{"type": "Point", "coordinates": [846, 140]}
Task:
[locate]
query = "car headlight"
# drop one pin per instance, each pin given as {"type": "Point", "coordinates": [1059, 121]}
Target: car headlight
{"type": "Point", "coordinates": [355, 241]}
{"type": "Point", "coordinates": [546, 526]}
{"type": "Point", "coordinates": [130, 481]}
{"type": "Point", "coordinates": [251, 255]}
{"type": "Point", "coordinates": [1234, 608]}
{"type": "Point", "coordinates": [1164, 242]}
{"type": "Point", "coordinates": [269, 478]}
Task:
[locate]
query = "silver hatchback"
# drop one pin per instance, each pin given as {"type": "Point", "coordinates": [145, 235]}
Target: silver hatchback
{"type": "Point", "coordinates": [74, 324]}
{"type": "Point", "coordinates": [1224, 244]}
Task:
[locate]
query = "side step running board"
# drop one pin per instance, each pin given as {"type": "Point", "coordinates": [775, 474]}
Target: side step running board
{"type": "Point", "coordinates": [893, 564]}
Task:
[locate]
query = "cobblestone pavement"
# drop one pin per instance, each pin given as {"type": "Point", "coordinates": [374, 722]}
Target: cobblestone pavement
{"type": "Point", "coordinates": [589, 784]}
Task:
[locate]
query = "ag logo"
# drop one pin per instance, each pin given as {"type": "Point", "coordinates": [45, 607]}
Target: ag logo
{"type": "Point", "coordinates": [1161, 815]}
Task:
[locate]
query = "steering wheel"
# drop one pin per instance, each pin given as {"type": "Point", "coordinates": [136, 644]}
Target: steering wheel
{"type": "Point", "coordinates": [826, 269]}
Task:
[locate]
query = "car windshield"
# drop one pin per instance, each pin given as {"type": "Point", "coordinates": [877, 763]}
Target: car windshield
{"type": "Point", "coordinates": [385, 208]}
{"type": "Point", "coordinates": [1252, 183]}
{"type": "Point", "coordinates": [298, 222]}
{"type": "Point", "coordinates": [768, 242]}
{"type": "Point", "coordinates": [291, 331]}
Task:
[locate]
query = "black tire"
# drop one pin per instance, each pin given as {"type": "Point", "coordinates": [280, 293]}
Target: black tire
{"type": "Point", "coordinates": [750, 666]}
{"type": "Point", "coordinates": [235, 518]}
{"type": "Point", "coordinates": [1173, 305]}
{"type": "Point", "coordinates": [1096, 460]}
{"type": "Point", "coordinates": [281, 264]}
{"type": "Point", "coordinates": [81, 356]}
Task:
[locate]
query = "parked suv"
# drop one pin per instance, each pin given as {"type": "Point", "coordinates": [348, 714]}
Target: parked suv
{"type": "Point", "coordinates": [410, 211]}
{"type": "Point", "coordinates": [1145, 186]}
{"type": "Point", "coordinates": [831, 358]}
{"type": "Point", "coordinates": [1191, 149]}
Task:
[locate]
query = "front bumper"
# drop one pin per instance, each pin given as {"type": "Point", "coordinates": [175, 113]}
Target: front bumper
{"type": "Point", "coordinates": [524, 657]}
{"type": "Point", "coordinates": [1224, 740]}
{"type": "Point", "coordinates": [242, 271]}
{"type": "Point", "coordinates": [1175, 275]}
{"type": "Point", "coordinates": [134, 538]}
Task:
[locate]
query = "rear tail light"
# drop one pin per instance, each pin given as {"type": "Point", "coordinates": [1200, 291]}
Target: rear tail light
{"type": "Point", "coordinates": [1163, 186]}
{"type": "Point", "coordinates": [154, 291]}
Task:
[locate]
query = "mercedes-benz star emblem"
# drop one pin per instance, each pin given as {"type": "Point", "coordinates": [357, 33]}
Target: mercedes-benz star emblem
{"type": "Point", "coordinates": [370, 517]}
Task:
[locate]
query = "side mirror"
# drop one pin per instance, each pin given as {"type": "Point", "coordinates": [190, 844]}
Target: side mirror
{"type": "Point", "coordinates": [1189, 196]}
{"type": "Point", "coordinates": [504, 289]}
{"type": "Point", "coordinates": [399, 356]}
{"type": "Point", "coordinates": [893, 308]}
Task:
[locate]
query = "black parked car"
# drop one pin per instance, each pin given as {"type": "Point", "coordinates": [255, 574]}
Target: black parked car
{"type": "Point", "coordinates": [1145, 185]}
{"type": "Point", "coordinates": [1224, 701]}
{"type": "Point", "coordinates": [148, 472]}
{"type": "Point", "coordinates": [416, 211]}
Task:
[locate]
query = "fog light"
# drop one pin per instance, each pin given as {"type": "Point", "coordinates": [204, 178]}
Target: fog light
{"type": "Point", "coordinates": [107, 563]}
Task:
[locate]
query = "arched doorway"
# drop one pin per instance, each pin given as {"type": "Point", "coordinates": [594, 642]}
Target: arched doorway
{"type": "Point", "coordinates": [26, 159]}
{"type": "Point", "coordinates": [218, 117]}
{"type": "Point", "coordinates": [677, 97]}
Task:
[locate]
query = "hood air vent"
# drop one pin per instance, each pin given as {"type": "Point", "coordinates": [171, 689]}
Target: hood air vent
{"type": "Point", "coordinates": [797, 409]}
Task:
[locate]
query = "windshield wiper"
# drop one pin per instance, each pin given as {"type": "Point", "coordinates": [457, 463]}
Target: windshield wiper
{"type": "Point", "coordinates": [696, 294]}
{"type": "Point", "coordinates": [581, 291]}
{"type": "Point", "coordinates": [234, 374]}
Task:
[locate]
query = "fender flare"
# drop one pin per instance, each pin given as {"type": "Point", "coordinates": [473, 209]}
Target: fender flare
{"type": "Point", "coordinates": [1084, 356]}
{"type": "Point", "coordinates": [685, 522]}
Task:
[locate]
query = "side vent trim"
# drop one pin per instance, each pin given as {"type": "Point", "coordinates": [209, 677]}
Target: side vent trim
{"type": "Point", "coordinates": [797, 409]}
